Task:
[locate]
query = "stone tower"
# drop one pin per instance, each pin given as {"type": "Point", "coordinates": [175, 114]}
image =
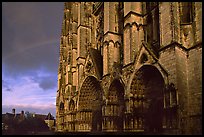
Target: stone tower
{"type": "Point", "coordinates": [130, 67]}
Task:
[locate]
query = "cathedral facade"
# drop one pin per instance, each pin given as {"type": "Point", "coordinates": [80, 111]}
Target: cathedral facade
{"type": "Point", "coordinates": [130, 67]}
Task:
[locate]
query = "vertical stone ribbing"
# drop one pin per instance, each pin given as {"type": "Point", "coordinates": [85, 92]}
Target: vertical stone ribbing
{"type": "Point", "coordinates": [116, 32]}
{"type": "Point", "coordinates": [132, 30]}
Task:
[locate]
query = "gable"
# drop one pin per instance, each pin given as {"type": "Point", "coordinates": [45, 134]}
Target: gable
{"type": "Point", "coordinates": [145, 56]}
{"type": "Point", "coordinates": [94, 63]}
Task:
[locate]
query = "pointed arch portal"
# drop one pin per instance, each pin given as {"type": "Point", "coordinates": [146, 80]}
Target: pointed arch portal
{"type": "Point", "coordinates": [113, 110]}
{"type": "Point", "coordinates": [145, 106]}
{"type": "Point", "coordinates": [89, 115]}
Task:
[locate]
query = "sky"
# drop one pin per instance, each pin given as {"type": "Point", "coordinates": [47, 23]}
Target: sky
{"type": "Point", "coordinates": [30, 53]}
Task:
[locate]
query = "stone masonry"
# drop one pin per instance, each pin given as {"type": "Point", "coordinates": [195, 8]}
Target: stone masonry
{"type": "Point", "coordinates": [130, 67]}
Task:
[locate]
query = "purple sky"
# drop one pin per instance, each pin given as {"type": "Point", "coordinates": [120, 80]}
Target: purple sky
{"type": "Point", "coordinates": [30, 53]}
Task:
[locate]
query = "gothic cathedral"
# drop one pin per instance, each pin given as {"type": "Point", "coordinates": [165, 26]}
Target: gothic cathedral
{"type": "Point", "coordinates": [130, 67]}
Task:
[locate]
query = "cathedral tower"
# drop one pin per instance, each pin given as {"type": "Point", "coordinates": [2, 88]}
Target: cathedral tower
{"type": "Point", "coordinates": [130, 67]}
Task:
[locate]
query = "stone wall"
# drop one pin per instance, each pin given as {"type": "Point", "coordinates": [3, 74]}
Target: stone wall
{"type": "Point", "coordinates": [177, 58]}
{"type": "Point", "coordinates": [194, 90]}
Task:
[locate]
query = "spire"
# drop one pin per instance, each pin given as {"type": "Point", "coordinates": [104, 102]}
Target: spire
{"type": "Point", "coordinates": [49, 117]}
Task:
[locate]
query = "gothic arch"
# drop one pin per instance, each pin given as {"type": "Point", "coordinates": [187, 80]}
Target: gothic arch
{"type": "Point", "coordinates": [105, 43]}
{"type": "Point", "coordinates": [61, 106]}
{"type": "Point", "coordinates": [71, 105]}
{"type": "Point", "coordinates": [117, 44]}
{"type": "Point", "coordinates": [127, 25]}
{"type": "Point", "coordinates": [146, 101]}
{"type": "Point", "coordinates": [89, 105]}
{"type": "Point", "coordinates": [60, 116]}
{"type": "Point", "coordinates": [116, 88]}
{"type": "Point", "coordinates": [113, 109]}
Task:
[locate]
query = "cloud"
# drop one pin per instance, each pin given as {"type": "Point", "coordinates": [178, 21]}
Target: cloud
{"type": "Point", "coordinates": [28, 92]}
{"type": "Point", "coordinates": [30, 54]}
{"type": "Point", "coordinates": [45, 80]}
{"type": "Point", "coordinates": [6, 86]}
{"type": "Point", "coordinates": [42, 55]}
{"type": "Point", "coordinates": [47, 83]}
{"type": "Point", "coordinates": [31, 36]}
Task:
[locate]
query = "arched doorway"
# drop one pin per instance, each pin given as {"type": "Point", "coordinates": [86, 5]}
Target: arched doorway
{"type": "Point", "coordinates": [89, 106]}
{"type": "Point", "coordinates": [113, 109]}
{"type": "Point", "coordinates": [71, 116]}
{"type": "Point", "coordinates": [146, 103]}
{"type": "Point", "coordinates": [60, 122]}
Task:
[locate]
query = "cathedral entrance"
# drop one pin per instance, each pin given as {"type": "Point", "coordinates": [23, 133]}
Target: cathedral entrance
{"type": "Point", "coordinates": [113, 109]}
{"type": "Point", "coordinates": [89, 116]}
{"type": "Point", "coordinates": [146, 102]}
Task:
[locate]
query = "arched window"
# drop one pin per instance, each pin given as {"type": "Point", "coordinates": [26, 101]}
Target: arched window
{"type": "Point", "coordinates": [144, 58]}
{"type": "Point", "coordinates": [186, 12]}
{"type": "Point", "coordinates": [71, 105]}
{"type": "Point", "coordinates": [152, 21]}
{"type": "Point", "coordinates": [61, 106]}
{"type": "Point", "coordinates": [121, 17]}
{"type": "Point", "coordinates": [69, 57]}
{"type": "Point", "coordinates": [171, 107]}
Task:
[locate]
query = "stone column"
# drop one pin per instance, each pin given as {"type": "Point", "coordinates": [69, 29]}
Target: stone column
{"type": "Point", "coordinates": [111, 32]}
{"type": "Point", "coordinates": [132, 30]}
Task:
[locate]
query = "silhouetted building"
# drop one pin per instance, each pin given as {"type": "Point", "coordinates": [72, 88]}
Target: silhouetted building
{"type": "Point", "coordinates": [130, 67]}
{"type": "Point", "coordinates": [26, 123]}
{"type": "Point", "coordinates": [50, 121]}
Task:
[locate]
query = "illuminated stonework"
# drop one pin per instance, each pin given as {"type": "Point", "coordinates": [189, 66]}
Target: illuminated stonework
{"type": "Point", "coordinates": [130, 67]}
